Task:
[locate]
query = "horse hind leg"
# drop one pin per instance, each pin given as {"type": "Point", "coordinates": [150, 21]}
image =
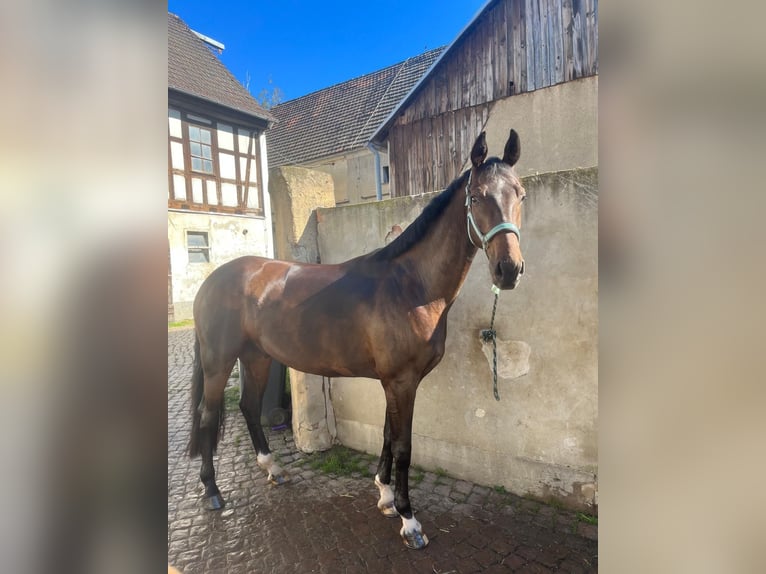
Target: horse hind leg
{"type": "Point", "coordinates": [208, 382]}
{"type": "Point", "coordinates": [211, 425]}
{"type": "Point", "coordinates": [254, 376]}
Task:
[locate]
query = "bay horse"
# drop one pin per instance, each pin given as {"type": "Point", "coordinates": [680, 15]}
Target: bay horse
{"type": "Point", "coordinates": [382, 315]}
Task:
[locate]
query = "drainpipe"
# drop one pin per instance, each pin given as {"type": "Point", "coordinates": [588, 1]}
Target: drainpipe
{"type": "Point", "coordinates": [378, 188]}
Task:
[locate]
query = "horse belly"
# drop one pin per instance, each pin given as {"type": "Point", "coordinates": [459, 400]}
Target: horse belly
{"type": "Point", "coordinates": [317, 345]}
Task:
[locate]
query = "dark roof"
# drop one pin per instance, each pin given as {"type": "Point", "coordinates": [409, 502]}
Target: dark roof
{"type": "Point", "coordinates": [342, 117]}
{"type": "Point", "coordinates": [194, 70]}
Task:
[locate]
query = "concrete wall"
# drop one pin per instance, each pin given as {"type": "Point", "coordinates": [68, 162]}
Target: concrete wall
{"type": "Point", "coordinates": [353, 176]}
{"type": "Point", "coordinates": [541, 438]}
{"type": "Point", "coordinates": [558, 127]}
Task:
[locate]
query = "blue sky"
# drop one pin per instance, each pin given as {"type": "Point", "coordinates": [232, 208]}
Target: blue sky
{"type": "Point", "coordinates": [301, 47]}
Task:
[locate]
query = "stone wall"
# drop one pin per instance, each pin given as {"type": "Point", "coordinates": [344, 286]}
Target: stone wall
{"type": "Point", "coordinates": [295, 193]}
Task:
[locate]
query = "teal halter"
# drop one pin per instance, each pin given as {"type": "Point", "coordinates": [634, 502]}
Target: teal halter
{"type": "Point", "coordinates": [485, 239]}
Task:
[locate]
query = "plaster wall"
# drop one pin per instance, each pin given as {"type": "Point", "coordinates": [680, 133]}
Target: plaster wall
{"type": "Point", "coordinates": [558, 127]}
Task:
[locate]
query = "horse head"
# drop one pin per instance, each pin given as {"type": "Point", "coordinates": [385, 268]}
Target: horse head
{"type": "Point", "coordinates": [494, 197]}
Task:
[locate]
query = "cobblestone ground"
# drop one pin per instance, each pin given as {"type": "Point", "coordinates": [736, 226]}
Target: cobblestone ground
{"type": "Point", "coordinates": [328, 524]}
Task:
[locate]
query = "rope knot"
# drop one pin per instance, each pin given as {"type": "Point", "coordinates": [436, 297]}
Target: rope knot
{"type": "Point", "coordinates": [488, 335]}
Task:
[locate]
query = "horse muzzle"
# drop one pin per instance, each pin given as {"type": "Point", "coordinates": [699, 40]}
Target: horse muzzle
{"type": "Point", "coordinates": [507, 273]}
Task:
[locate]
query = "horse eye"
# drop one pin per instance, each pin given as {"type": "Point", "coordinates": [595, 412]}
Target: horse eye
{"type": "Point", "coordinates": [474, 199]}
{"type": "Point", "coordinates": [523, 197]}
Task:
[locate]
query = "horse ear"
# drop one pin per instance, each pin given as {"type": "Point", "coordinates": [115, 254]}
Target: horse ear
{"type": "Point", "coordinates": [512, 149]}
{"type": "Point", "coordinates": [479, 151]}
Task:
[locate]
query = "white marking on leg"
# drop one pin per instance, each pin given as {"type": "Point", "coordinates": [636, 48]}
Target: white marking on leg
{"type": "Point", "coordinates": [412, 533]}
{"type": "Point", "coordinates": [386, 493]}
{"type": "Point", "coordinates": [266, 462]}
{"type": "Point", "coordinates": [410, 525]}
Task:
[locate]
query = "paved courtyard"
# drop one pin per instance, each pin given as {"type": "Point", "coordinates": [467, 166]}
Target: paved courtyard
{"type": "Point", "coordinates": [328, 523]}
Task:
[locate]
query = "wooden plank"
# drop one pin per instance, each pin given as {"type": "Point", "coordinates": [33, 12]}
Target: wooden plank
{"type": "Point", "coordinates": [525, 81]}
{"type": "Point", "coordinates": [394, 160]}
{"type": "Point", "coordinates": [408, 177]}
{"type": "Point", "coordinates": [409, 151]}
{"type": "Point", "coordinates": [502, 53]}
{"type": "Point", "coordinates": [431, 151]}
{"type": "Point", "coordinates": [459, 80]}
{"type": "Point", "coordinates": [430, 103]}
{"type": "Point", "coordinates": [540, 52]}
{"type": "Point", "coordinates": [592, 26]}
{"type": "Point", "coordinates": [468, 67]}
{"type": "Point", "coordinates": [499, 54]}
{"type": "Point", "coordinates": [443, 88]}
{"type": "Point", "coordinates": [441, 150]}
{"type": "Point", "coordinates": [531, 45]}
{"type": "Point", "coordinates": [425, 157]}
{"type": "Point", "coordinates": [469, 70]}
{"type": "Point", "coordinates": [585, 4]}
{"type": "Point", "coordinates": [485, 69]}
{"type": "Point", "coordinates": [533, 34]}
{"type": "Point", "coordinates": [492, 44]}
{"type": "Point", "coordinates": [577, 38]}
{"type": "Point", "coordinates": [518, 43]}
{"type": "Point", "coordinates": [451, 83]}
{"type": "Point", "coordinates": [487, 40]}
{"type": "Point", "coordinates": [557, 71]}
{"type": "Point", "coordinates": [494, 50]}
{"type": "Point", "coordinates": [567, 48]}
{"type": "Point", "coordinates": [449, 141]}
{"type": "Point", "coordinates": [446, 151]}
{"type": "Point", "coordinates": [545, 43]}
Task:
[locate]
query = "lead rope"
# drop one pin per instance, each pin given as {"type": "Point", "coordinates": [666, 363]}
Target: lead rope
{"type": "Point", "coordinates": [488, 335]}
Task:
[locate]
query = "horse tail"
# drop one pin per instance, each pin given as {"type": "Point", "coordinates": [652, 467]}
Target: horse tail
{"type": "Point", "coordinates": [198, 386]}
{"type": "Point", "coordinates": [197, 394]}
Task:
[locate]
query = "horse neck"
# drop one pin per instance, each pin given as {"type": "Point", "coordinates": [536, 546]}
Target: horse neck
{"type": "Point", "coordinates": [445, 254]}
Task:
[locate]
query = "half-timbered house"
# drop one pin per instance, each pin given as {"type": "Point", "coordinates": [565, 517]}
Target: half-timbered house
{"type": "Point", "coordinates": [218, 204]}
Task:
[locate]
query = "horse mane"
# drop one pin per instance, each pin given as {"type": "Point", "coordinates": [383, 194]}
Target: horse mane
{"type": "Point", "coordinates": [419, 228]}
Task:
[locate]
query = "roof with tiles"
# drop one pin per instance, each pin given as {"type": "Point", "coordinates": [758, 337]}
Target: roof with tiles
{"type": "Point", "coordinates": [342, 117]}
{"type": "Point", "coordinates": [193, 69]}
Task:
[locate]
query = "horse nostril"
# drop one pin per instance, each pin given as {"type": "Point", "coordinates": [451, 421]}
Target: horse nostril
{"type": "Point", "coordinates": [499, 271]}
{"type": "Point", "coordinates": [521, 271]}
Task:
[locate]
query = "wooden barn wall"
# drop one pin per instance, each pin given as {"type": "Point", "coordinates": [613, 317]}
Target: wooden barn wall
{"type": "Point", "coordinates": [433, 150]}
{"type": "Point", "coordinates": [516, 46]}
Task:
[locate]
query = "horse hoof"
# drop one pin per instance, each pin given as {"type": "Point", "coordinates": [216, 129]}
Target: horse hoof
{"type": "Point", "coordinates": [389, 510]}
{"type": "Point", "coordinates": [415, 540]}
{"type": "Point", "coordinates": [215, 502]}
{"type": "Point", "coordinates": [279, 479]}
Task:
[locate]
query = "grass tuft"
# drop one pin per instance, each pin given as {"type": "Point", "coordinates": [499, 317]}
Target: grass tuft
{"type": "Point", "coordinates": [339, 461]}
{"type": "Point", "coordinates": [587, 518]}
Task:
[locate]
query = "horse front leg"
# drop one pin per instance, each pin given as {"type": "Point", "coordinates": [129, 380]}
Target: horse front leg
{"type": "Point", "coordinates": [383, 476]}
{"type": "Point", "coordinates": [401, 404]}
